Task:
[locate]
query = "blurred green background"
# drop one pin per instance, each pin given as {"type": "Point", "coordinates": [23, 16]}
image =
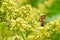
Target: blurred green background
{"type": "Point", "coordinates": [53, 11]}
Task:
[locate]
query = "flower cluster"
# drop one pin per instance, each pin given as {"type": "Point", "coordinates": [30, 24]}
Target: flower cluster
{"type": "Point", "coordinates": [22, 23]}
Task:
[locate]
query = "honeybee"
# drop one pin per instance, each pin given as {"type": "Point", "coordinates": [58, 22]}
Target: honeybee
{"type": "Point", "coordinates": [43, 19]}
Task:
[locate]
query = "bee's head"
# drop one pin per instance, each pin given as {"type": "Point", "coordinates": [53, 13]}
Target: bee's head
{"type": "Point", "coordinates": [43, 16]}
